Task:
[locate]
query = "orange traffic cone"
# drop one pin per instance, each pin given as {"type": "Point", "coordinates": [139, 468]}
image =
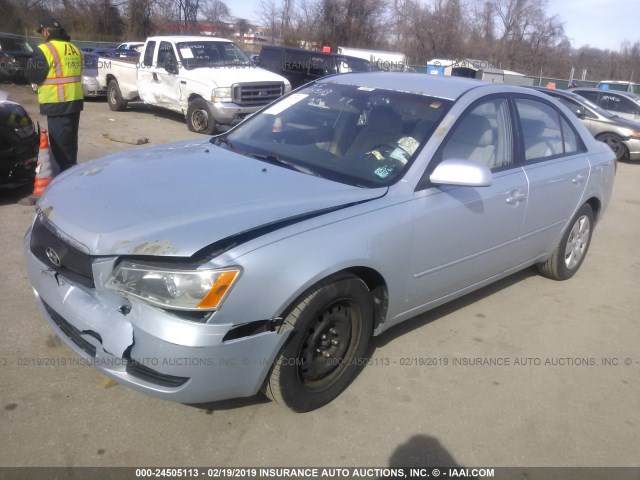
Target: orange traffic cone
{"type": "Point", "coordinates": [46, 167]}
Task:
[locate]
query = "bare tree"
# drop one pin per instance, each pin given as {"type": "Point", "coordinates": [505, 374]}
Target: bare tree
{"type": "Point", "coordinates": [269, 15]}
{"type": "Point", "coordinates": [217, 12]}
{"type": "Point", "coordinates": [139, 24]}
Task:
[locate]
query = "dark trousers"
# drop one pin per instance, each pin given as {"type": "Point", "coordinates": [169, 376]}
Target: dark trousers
{"type": "Point", "coordinates": [63, 139]}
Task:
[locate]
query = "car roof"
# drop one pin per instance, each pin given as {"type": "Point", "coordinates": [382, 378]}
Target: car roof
{"type": "Point", "coordinates": [12, 36]}
{"type": "Point", "coordinates": [633, 96]}
{"type": "Point", "coordinates": [420, 83]}
{"type": "Point", "coordinates": [188, 38]}
{"type": "Point", "coordinates": [618, 82]}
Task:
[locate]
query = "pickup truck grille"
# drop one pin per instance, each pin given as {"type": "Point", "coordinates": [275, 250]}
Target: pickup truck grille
{"type": "Point", "coordinates": [256, 94]}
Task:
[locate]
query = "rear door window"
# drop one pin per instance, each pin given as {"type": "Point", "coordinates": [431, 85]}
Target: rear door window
{"type": "Point", "coordinates": [545, 132]}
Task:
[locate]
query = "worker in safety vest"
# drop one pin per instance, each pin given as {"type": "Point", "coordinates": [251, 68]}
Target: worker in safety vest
{"type": "Point", "coordinates": [56, 66]}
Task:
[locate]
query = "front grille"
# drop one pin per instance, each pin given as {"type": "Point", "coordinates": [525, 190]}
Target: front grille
{"type": "Point", "coordinates": [256, 94]}
{"type": "Point", "coordinates": [74, 264]}
{"type": "Point", "coordinates": [143, 372]}
{"type": "Point", "coordinates": [70, 331]}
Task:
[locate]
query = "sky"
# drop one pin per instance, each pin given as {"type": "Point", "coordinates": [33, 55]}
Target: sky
{"type": "Point", "coordinates": [603, 24]}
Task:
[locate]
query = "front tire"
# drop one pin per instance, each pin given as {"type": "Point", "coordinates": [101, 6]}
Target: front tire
{"type": "Point", "coordinates": [199, 118]}
{"type": "Point", "coordinates": [573, 247]}
{"type": "Point", "coordinates": [332, 325]}
{"type": "Point", "coordinates": [114, 97]}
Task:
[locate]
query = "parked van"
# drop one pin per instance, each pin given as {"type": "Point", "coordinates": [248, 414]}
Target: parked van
{"type": "Point", "coordinates": [301, 66]}
{"type": "Point", "coordinates": [380, 60]}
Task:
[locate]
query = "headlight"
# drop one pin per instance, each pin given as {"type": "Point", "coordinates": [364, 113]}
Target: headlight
{"type": "Point", "coordinates": [26, 131]}
{"type": "Point", "coordinates": [287, 88]}
{"type": "Point", "coordinates": [635, 134]}
{"type": "Point", "coordinates": [222, 94]}
{"type": "Point", "coordinates": [173, 288]}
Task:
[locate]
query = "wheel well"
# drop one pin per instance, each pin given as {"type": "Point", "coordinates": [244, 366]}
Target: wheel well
{"type": "Point", "coordinates": [379, 292]}
{"type": "Point", "coordinates": [193, 96]}
{"type": "Point", "coordinates": [595, 205]}
{"type": "Point", "coordinates": [602, 134]}
{"type": "Point", "coordinates": [110, 77]}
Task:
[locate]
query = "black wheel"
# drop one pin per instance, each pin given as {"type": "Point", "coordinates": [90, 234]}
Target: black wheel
{"type": "Point", "coordinates": [616, 144]}
{"type": "Point", "coordinates": [570, 253]}
{"type": "Point", "coordinates": [114, 97]}
{"type": "Point", "coordinates": [199, 118]}
{"type": "Point", "coordinates": [332, 325]}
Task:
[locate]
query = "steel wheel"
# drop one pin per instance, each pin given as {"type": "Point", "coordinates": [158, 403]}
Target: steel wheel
{"type": "Point", "coordinates": [326, 343]}
{"type": "Point", "coordinates": [331, 325]}
{"type": "Point", "coordinates": [200, 120]}
{"type": "Point", "coordinates": [199, 117]}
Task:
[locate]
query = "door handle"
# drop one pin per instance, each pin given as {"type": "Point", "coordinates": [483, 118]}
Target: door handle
{"type": "Point", "coordinates": [183, 82]}
{"type": "Point", "coordinates": [516, 197]}
{"type": "Point", "coordinates": [155, 77]}
{"type": "Point", "coordinates": [578, 179]}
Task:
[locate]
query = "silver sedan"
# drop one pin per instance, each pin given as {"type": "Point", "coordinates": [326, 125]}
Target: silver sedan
{"type": "Point", "coordinates": [267, 258]}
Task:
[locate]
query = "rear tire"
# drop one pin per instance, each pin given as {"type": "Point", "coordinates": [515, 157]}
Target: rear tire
{"type": "Point", "coordinates": [616, 144]}
{"type": "Point", "coordinates": [114, 97]}
{"type": "Point", "coordinates": [199, 117]}
{"type": "Point", "coordinates": [332, 325]}
{"type": "Point", "coordinates": [573, 247]}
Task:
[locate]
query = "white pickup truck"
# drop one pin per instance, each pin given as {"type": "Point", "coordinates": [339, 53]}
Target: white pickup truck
{"type": "Point", "coordinates": [209, 80]}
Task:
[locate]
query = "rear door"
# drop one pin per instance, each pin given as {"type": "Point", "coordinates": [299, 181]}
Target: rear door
{"type": "Point", "coordinates": [555, 163]}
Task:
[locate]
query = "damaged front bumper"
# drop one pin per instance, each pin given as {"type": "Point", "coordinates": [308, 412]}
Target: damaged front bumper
{"type": "Point", "coordinates": [147, 348]}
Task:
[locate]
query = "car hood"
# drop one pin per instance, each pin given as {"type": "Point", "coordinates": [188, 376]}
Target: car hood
{"type": "Point", "coordinates": [228, 75]}
{"type": "Point", "coordinates": [175, 199]}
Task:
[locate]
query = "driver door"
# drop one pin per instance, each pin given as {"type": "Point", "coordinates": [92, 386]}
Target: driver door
{"type": "Point", "coordinates": [162, 87]}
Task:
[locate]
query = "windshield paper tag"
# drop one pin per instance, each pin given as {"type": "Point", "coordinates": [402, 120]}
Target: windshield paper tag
{"type": "Point", "coordinates": [286, 103]}
{"type": "Point", "coordinates": [382, 172]}
{"type": "Point", "coordinates": [186, 52]}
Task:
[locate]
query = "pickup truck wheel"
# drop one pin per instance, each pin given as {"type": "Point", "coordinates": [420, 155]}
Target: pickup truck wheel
{"type": "Point", "coordinates": [332, 325]}
{"type": "Point", "coordinates": [114, 97]}
{"type": "Point", "coordinates": [199, 118]}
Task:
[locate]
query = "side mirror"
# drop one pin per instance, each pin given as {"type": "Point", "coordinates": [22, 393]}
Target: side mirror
{"type": "Point", "coordinates": [580, 113]}
{"type": "Point", "coordinates": [466, 173]}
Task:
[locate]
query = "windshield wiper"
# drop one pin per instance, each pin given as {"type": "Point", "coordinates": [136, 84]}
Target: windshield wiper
{"type": "Point", "coordinates": [279, 161]}
{"type": "Point", "coordinates": [220, 139]}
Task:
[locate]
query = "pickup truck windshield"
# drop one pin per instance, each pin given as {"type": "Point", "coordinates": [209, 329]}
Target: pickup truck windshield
{"type": "Point", "coordinates": [353, 64]}
{"type": "Point", "coordinates": [356, 135]}
{"type": "Point", "coordinates": [211, 54]}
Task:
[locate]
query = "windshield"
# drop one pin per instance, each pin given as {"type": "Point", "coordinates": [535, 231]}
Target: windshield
{"type": "Point", "coordinates": [11, 45]}
{"type": "Point", "coordinates": [360, 136]}
{"type": "Point", "coordinates": [353, 64]}
{"type": "Point", "coordinates": [205, 53]}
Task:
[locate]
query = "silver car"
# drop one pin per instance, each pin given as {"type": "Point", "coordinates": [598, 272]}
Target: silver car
{"type": "Point", "coordinates": [622, 104]}
{"type": "Point", "coordinates": [621, 134]}
{"type": "Point", "coordinates": [269, 256]}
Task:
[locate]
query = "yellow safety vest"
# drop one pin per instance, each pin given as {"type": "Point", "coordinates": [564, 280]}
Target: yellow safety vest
{"type": "Point", "coordinates": [64, 79]}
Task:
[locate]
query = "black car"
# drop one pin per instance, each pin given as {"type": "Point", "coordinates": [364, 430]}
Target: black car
{"type": "Point", "coordinates": [19, 141]}
{"type": "Point", "coordinates": [15, 52]}
{"type": "Point", "coordinates": [301, 66]}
